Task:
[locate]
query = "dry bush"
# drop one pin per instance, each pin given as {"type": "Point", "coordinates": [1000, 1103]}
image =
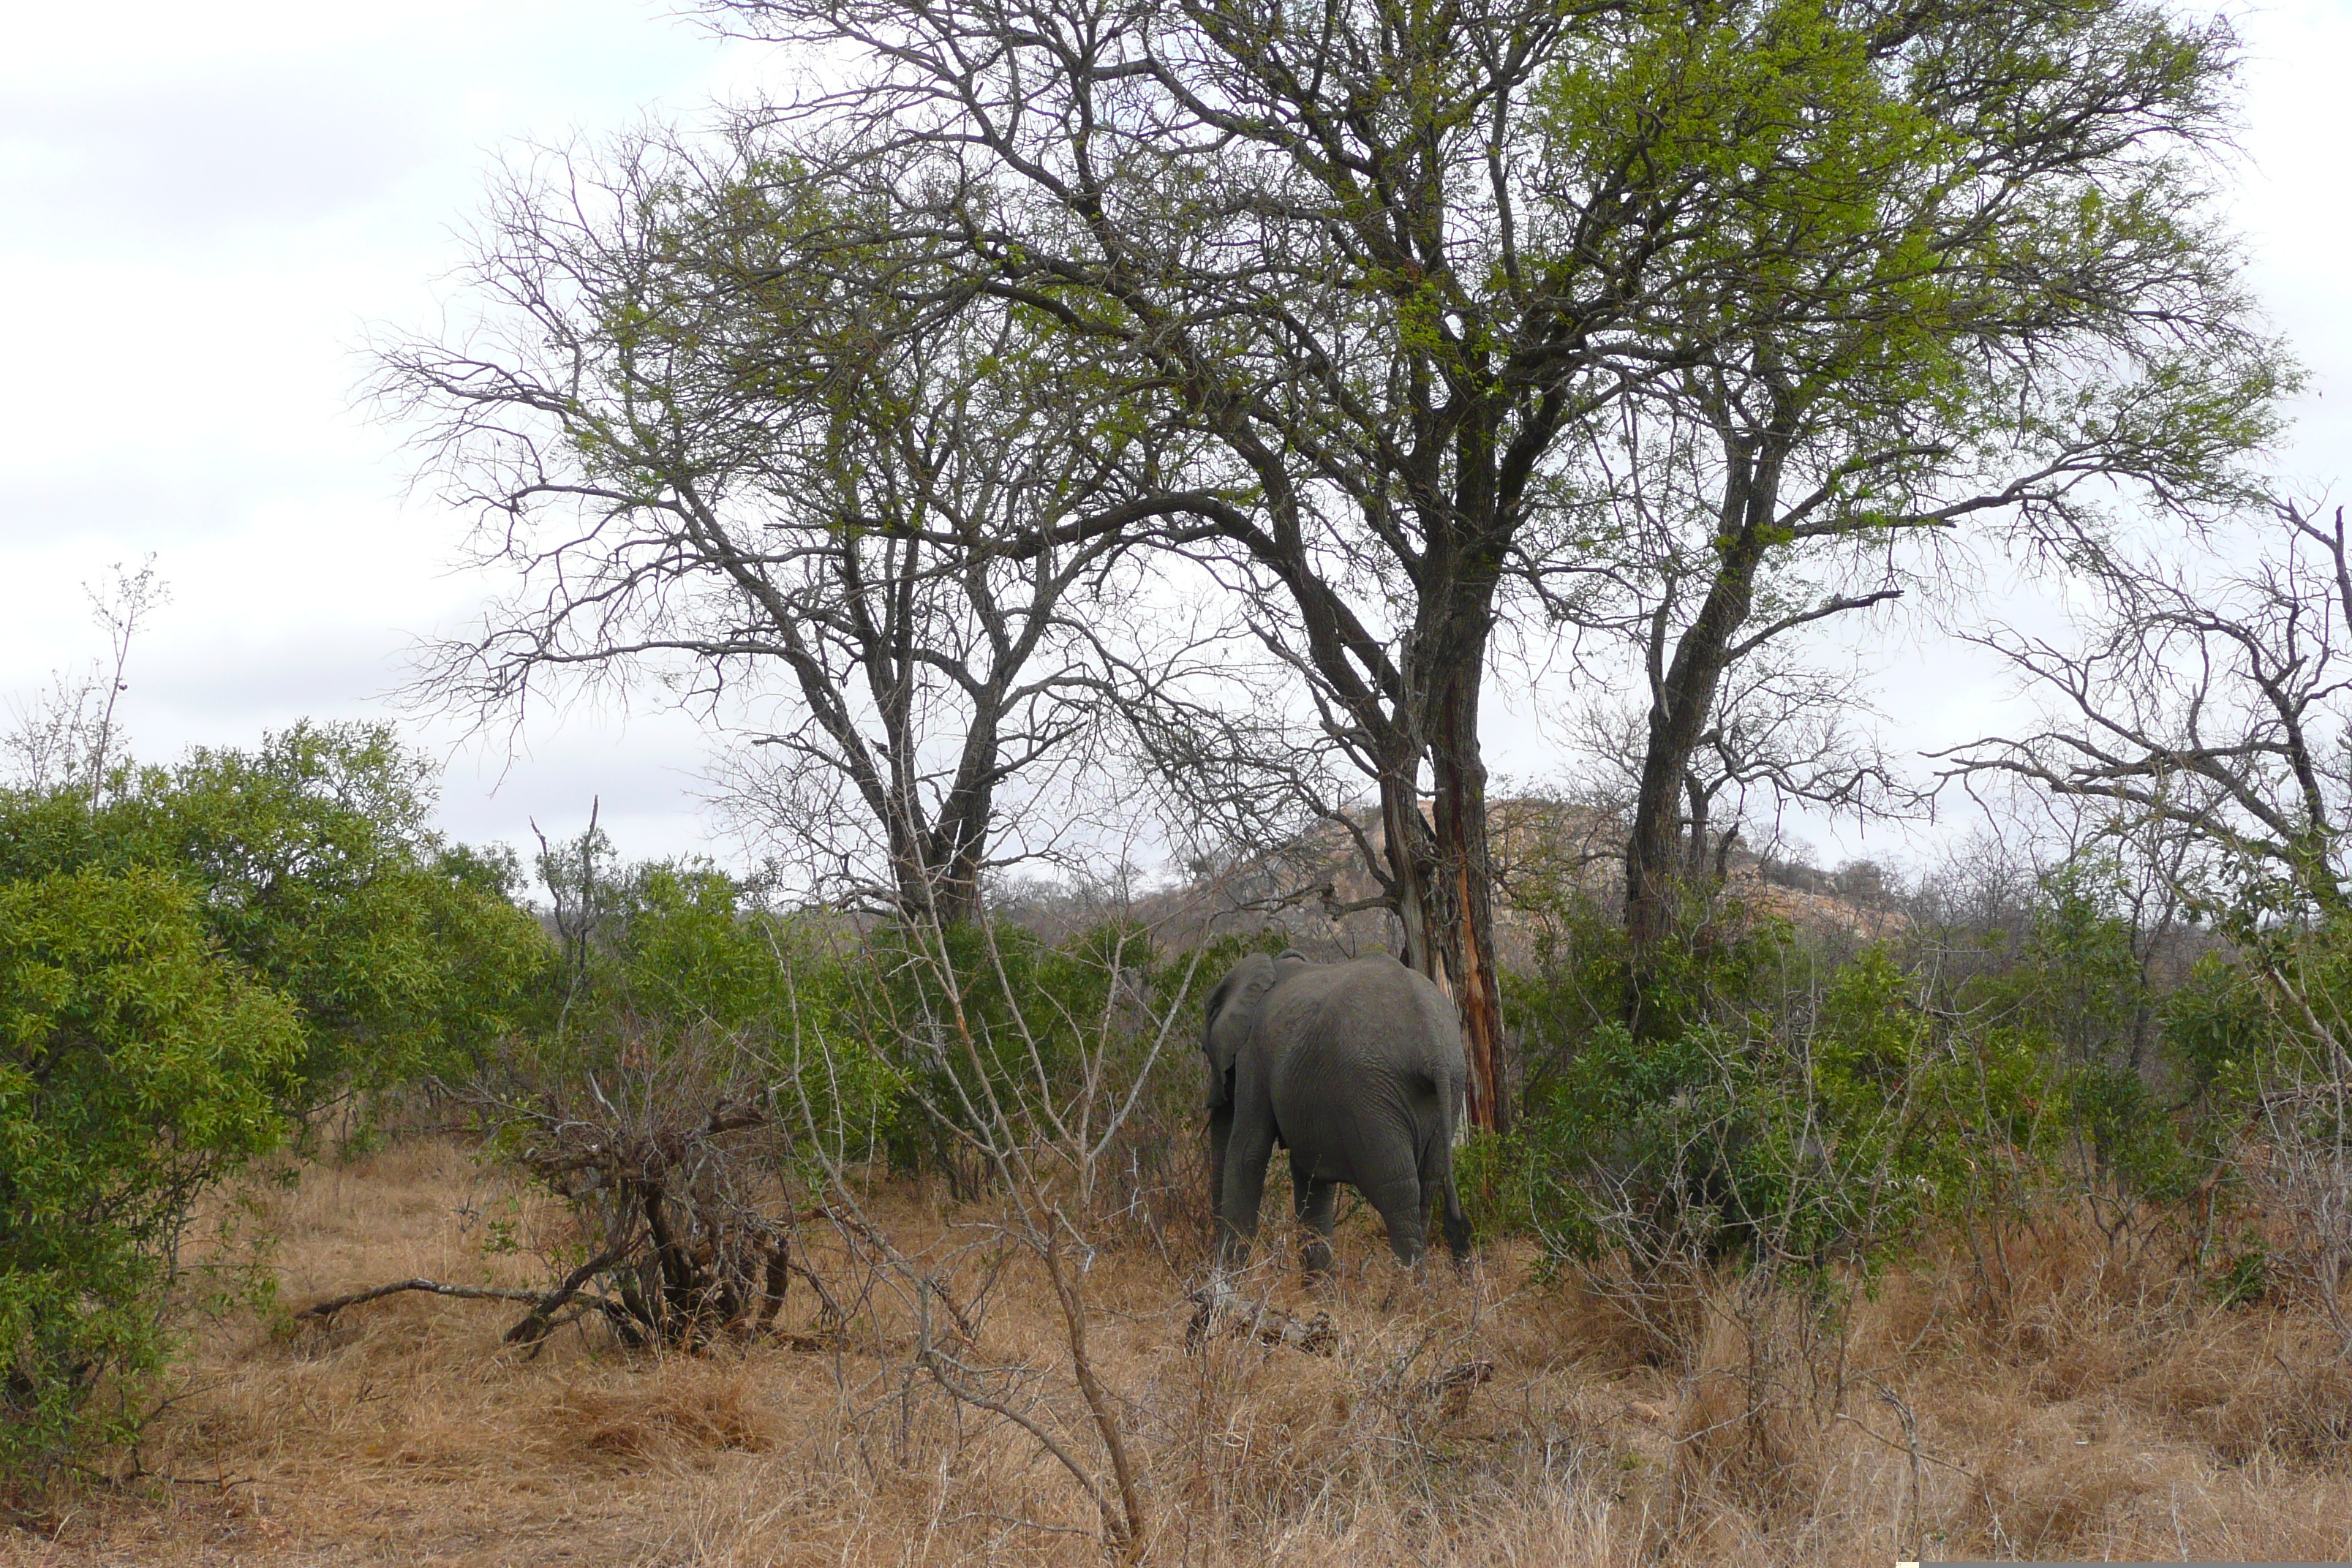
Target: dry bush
{"type": "Point", "coordinates": [2297, 1168]}
{"type": "Point", "coordinates": [671, 1177]}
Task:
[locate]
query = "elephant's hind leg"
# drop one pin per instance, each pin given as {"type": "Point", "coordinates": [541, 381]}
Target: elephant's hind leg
{"type": "Point", "coordinates": [1404, 1209]}
{"type": "Point", "coordinates": [1457, 1224]}
{"type": "Point", "coordinates": [1318, 1201]}
{"type": "Point", "coordinates": [1437, 1181]}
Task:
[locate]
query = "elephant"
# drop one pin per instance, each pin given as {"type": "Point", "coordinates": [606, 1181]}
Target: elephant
{"type": "Point", "coordinates": [1358, 1069]}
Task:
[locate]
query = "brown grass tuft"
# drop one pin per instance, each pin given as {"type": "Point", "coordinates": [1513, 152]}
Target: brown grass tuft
{"type": "Point", "coordinates": [1748, 1439]}
{"type": "Point", "coordinates": [680, 1413]}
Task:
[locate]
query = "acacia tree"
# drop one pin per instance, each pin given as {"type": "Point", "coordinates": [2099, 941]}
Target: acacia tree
{"type": "Point", "coordinates": [711, 439]}
{"type": "Point", "coordinates": [1980, 285]}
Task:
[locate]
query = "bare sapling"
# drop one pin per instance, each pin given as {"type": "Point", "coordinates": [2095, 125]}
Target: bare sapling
{"type": "Point", "coordinates": [1038, 1091]}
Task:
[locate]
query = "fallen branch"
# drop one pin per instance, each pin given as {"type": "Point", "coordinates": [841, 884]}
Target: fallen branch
{"type": "Point", "coordinates": [536, 1325]}
{"type": "Point", "coordinates": [538, 1322]}
{"type": "Point", "coordinates": [1268, 1325]}
{"type": "Point", "coordinates": [432, 1287]}
{"type": "Point", "coordinates": [541, 1320]}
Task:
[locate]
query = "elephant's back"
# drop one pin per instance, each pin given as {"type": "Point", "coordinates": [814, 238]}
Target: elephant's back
{"type": "Point", "coordinates": [1368, 1022]}
{"type": "Point", "coordinates": [1374, 994]}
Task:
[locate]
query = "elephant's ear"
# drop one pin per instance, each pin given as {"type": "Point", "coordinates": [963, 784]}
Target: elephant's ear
{"type": "Point", "coordinates": [1227, 1018]}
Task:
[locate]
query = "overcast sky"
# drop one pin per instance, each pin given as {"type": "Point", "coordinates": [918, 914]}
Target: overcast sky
{"type": "Point", "coordinates": [207, 206]}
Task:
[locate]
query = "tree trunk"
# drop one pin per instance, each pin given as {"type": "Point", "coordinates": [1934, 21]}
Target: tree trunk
{"type": "Point", "coordinates": [1682, 700]}
{"type": "Point", "coordinates": [1465, 879]}
{"type": "Point", "coordinates": [1412, 853]}
{"type": "Point", "coordinates": [1442, 865]}
{"type": "Point", "coordinates": [939, 862]}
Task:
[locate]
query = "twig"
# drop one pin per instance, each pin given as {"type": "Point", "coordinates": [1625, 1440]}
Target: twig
{"type": "Point", "coordinates": [1901, 1448]}
{"type": "Point", "coordinates": [849, 1220]}
{"type": "Point", "coordinates": [1023, 1523]}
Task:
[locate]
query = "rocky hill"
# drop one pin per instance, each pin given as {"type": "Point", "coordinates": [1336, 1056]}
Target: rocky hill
{"type": "Point", "coordinates": [1318, 891]}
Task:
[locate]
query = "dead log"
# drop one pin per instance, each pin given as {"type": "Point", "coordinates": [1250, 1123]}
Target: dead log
{"type": "Point", "coordinates": [1218, 1303]}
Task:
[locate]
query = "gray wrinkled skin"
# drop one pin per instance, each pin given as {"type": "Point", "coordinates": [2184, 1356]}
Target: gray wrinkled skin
{"type": "Point", "coordinates": [1357, 1069]}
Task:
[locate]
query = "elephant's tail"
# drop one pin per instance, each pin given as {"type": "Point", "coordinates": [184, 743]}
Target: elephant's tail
{"type": "Point", "coordinates": [1437, 1181]}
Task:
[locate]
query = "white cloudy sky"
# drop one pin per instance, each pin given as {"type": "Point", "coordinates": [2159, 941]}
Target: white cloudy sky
{"type": "Point", "coordinates": [206, 206]}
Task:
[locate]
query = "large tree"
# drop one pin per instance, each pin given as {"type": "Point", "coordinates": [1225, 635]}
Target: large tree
{"type": "Point", "coordinates": [1339, 246]}
{"type": "Point", "coordinates": [715, 436]}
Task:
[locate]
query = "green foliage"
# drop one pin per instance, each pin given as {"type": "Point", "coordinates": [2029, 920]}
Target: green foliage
{"type": "Point", "coordinates": [1694, 1125]}
{"type": "Point", "coordinates": [1777, 1106]}
{"type": "Point", "coordinates": [676, 983]}
{"type": "Point", "coordinates": [190, 958]}
{"type": "Point", "coordinates": [1725, 959]}
{"type": "Point", "coordinates": [2078, 997]}
{"type": "Point", "coordinates": [1855, 240]}
{"type": "Point", "coordinates": [308, 860]}
{"type": "Point", "coordinates": [2221, 1028]}
{"type": "Point", "coordinates": [2136, 1145]}
{"type": "Point", "coordinates": [951, 1004]}
{"type": "Point", "coordinates": [137, 1066]}
{"type": "Point", "coordinates": [1802, 1132]}
{"type": "Point", "coordinates": [677, 989]}
{"type": "Point", "coordinates": [1768, 1104]}
{"type": "Point", "coordinates": [687, 950]}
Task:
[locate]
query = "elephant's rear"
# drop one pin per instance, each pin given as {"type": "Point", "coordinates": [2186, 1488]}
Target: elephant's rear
{"type": "Point", "coordinates": [1369, 1087]}
{"type": "Point", "coordinates": [1369, 1028]}
{"type": "Point", "coordinates": [1446, 1073]}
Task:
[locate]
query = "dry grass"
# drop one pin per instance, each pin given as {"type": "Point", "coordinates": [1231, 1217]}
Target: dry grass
{"type": "Point", "coordinates": [2059, 1406]}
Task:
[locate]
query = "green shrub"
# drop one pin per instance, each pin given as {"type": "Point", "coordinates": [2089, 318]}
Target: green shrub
{"type": "Point", "coordinates": [137, 1067]}
{"type": "Point", "coordinates": [1778, 1111]}
{"type": "Point", "coordinates": [2219, 1027]}
{"type": "Point", "coordinates": [310, 862]}
{"type": "Point", "coordinates": [1758, 1101]}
